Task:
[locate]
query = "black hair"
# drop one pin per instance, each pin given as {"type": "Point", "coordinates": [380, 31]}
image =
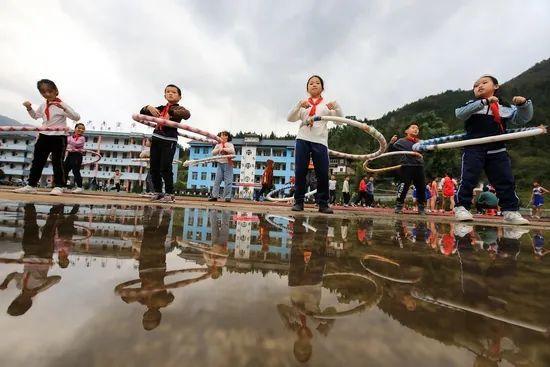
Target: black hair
{"type": "Point", "coordinates": [47, 82]}
{"type": "Point", "coordinates": [173, 86]}
{"type": "Point", "coordinates": [320, 79]}
{"type": "Point", "coordinates": [229, 137]}
{"type": "Point", "coordinates": [411, 124]}
{"type": "Point", "coordinates": [498, 92]}
{"type": "Point", "coordinates": [79, 124]}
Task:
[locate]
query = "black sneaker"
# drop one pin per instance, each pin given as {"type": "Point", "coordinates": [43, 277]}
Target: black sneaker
{"type": "Point", "coordinates": [157, 197]}
{"type": "Point", "coordinates": [398, 210]}
{"type": "Point", "coordinates": [421, 211]}
{"type": "Point", "coordinates": [212, 199]}
{"type": "Point", "coordinates": [298, 208]}
{"type": "Point", "coordinates": [325, 210]}
{"type": "Point", "coordinates": [227, 200]}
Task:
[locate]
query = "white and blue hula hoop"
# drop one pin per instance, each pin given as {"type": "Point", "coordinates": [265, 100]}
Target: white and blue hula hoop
{"type": "Point", "coordinates": [448, 142]}
{"type": "Point", "coordinates": [386, 169]}
{"type": "Point", "coordinates": [194, 162]}
{"type": "Point", "coordinates": [269, 196]}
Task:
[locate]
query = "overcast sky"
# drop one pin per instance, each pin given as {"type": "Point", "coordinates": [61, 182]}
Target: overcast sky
{"type": "Point", "coordinates": [243, 64]}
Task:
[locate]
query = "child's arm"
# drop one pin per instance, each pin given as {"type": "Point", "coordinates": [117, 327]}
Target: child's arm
{"type": "Point", "coordinates": [524, 111]}
{"type": "Point", "coordinates": [32, 113]}
{"type": "Point", "coordinates": [544, 190]}
{"type": "Point", "coordinates": [294, 114]}
{"type": "Point", "coordinates": [464, 112]}
{"type": "Point", "coordinates": [150, 111]}
{"type": "Point", "coordinates": [217, 149]}
{"type": "Point", "coordinates": [180, 113]}
{"type": "Point", "coordinates": [229, 148]}
{"type": "Point", "coordinates": [334, 109]}
{"type": "Point", "coordinates": [69, 112]}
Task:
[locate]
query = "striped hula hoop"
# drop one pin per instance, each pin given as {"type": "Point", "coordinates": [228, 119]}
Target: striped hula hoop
{"type": "Point", "coordinates": [362, 126]}
{"type": "Point", "coordinates": [32, 128]}
{"type": "Point", "coordinates": [194, 162]}
{"type": "Point", "coordinates": [182, 134]}
{"type": "Point", "coordinates": [98, 156]}
{"type": "Point", "coordinates": [140, 118]}
{"type": "Point", "coordinates": [446, 142]}
{"type": "Point", "coordinates": [147, 160]}
{"type": "Point", "coordinates": [390, 168]}
{"type": "Point", "coordinates": [269, 196]}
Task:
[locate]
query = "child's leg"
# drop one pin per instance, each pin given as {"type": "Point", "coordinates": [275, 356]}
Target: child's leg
{"type": "Point", "coordinates": [403, 187]}
{"type": "Point", "coordinates": [41, 153]}
{"type": "Point", "coordinates": [419, 182]}
{"type": "Point", "coordinates": [319, 154]}
{"type": "Point", "coordinates": [217, 180]}
{"type": "Point", "coordinates": [67, 167]}
{"type": "Point", "coordinates": [166, 161]}
{"type": "Point", "coordinates": [58, 144]}
{"type": "Point", "coordinates": [499, 172]}
{"type": "Point", "coordinates": [473, 162]}
{"type": "Point", "coordinates": [301, 162]}
{"type": "Point", "coordinates": [155, 163]}
{"type": "Point", "coordinates": [76, 164]}
{"type": "Point", "coordinates": [228, 181]}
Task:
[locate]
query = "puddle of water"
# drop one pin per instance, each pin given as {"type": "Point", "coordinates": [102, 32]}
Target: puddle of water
{"type": "Point", "coordinates": [133, 285]}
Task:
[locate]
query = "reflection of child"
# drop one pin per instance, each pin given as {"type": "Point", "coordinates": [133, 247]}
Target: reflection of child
{"type": "Point", "coordinates": [217, 257]}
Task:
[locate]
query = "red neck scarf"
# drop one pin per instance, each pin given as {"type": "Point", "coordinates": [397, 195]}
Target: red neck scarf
{"type": "Point", "coordinates": [413, 139]}
{"type": "Point", "coordinates": [55, 102]}
{"type": "Point", "coordinates": [496, 115]}
{"type": "Point", "coordinates": [164, 114]}
{"type": "Point", "coordinates": [314, 105]}
{"type": "Point", "coordinates": [76, 136]}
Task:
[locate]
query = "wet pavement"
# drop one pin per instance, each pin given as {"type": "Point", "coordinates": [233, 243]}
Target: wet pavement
{"type": "Point", "coordinates": [139, 286]}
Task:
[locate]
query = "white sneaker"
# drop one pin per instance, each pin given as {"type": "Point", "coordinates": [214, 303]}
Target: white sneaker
{"type": "Point", "coordinates": [78, 190]}
{"type": "Point", "coordinates": [514, 233]}
{"type": "Point", "coordinates": [514, 218]}
{"type": "Point", "coordinates": [26, 190]}
{"type": "Point", "coordinates": [462, 214]}
{"type": "Point", "coordinates": [56, 191]}
{"type": "Point", "coordinates": [461, 230]}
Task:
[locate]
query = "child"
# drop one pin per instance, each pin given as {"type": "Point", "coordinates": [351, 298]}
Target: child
{"type": "Point", "coordinates": [448, 186]}
{"type": "Point", "coordinates": [54, 114]}
{"type": "Point", "coordinates": [433, 195]}
{"type": "Point", "coordinates": [332, 189]}
{"type": "Point", "coordinates": [146, 154]}
{"type": "Point", "coordinates": [116, 179]}
{"type": "Point", "coordinates": [362, 194]}
{"type": "Point", "coordinates": [412, 169]}
{"type": "Point", "coordinates": [225, 167]}
{"type": "Point", "coordinates": [345, 191]}
{"type": "Point", "coordinates": [488, 116]}
{"type": "Point", "coordinates": [73, 161]}
{"type": "Point", "coordinates": [537, 199]}
{"type": "Point", "coordinates": [266, 180]}
{"type": "Point", "coordinates": [312, 142]}
{"type": "Point", "coordinates": [164, 142]}
{"type": "Point", "coordinates": [370, 192]}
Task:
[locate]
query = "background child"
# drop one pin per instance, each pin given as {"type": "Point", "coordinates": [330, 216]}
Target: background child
{"type": "Point", "coordinates": [266, 180]}
{"type": "Point", "coordinates": [537, 199]}
{"type": "Point", "coordinates": [53, 113]}
{"type": "Point", "coordinates": [488, 116]}
{"type": "Point", "coordinates": [312, 142]}
{"type": "Point", "coordinates": [448, 190]}
{"type": "Point", "coordinates": [332, 189]}
{"type": "Point", "coordinates": [225, 167]}
{"type": "Point", "coordinates": [164, 142]}
{"type": "Point", "coordinates": [345, 191]}
{"type": "Point", "coordinates": [73, 161]}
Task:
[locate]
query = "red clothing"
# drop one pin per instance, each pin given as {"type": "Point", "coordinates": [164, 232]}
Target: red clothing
{"type": "Point", "coordinates": [362, 185]}
{"type": "Point", "coordinates": [448, 187]}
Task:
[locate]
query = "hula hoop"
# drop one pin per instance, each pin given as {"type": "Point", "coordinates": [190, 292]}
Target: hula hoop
{"type": "Point", "coordinates": [123, 290]}
{"type": "Point", "coordinates": [386, 277]}
{"type": "Point", "coordinates": [269, 196]}
{"type": "Point", "coordinates": [6, 260]}
{"type": "Point", "coordinates": [98, 156]}
{"type": "Point", "coordinates": [200, 247]}
{"type": "Point", "coordinates": [32, 128]}
{"type": "Point", "coordinates": [443, 142]}
{"type": "Point", "coordinates": [361, 307]}
{"type": "Point", "coordinates": [147, 160]}
{"type": "Point", "coordinates": [269, 218]}
{"type": "Point", "coordinates": [88, 233]}
{"type": "Point", "coordinates": [461, 307]}
{"type": "Point", "coordinates": [247, 184]}
{"type": "Point", "coordinates": [386, 169]}
{"type": "Point", "coordinates": [140, 118]}
{"type": "Point", "coordinates": [184, 135]}
{"type": "Point", "coordinates": [362, 126]}
{"type": "Point", "coordinates": [194, 162]}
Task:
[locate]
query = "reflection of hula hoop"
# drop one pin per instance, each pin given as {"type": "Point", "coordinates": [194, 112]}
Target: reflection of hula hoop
{"type": "Point", "coordinates": [247, 184]}
{"type": "Point", "coordinates": [269, 196]}
{"type": "Point", "coordinates": [387, 277]}
{"type": "Point", "coordinates": [361, 307]}
{"type": "Point", "coordinates": [182, 134]}
{"type": "Point", "coordinates": [88, 233]}
{"type": "Point", "coordinates": [445, 142]}
{"type": "Point", "coordinates": [32, 128]}
{"type": "Point", "coordinates": [140, 118]}
{"type": "Point", "coordinates": [194, 162]}
{"type": "Point", "coordinates": [386, 169]}
{"type": "Point", "coordinates": [269, 218]}
{"type": "Point", "coordinates": [98, 156]}
{"type": "Point", "coordinates": [461, 307]}
{"type": "Point", "coordinates": [201, 247]}
{"type": "Point", "coordinates": [5, 260]}
{"type": "Point", "coordinates": [366, 128]}
{"type": "Point", "coordinates": [147, 160]}
{"type": "Point", "coordinates": [122, 289]}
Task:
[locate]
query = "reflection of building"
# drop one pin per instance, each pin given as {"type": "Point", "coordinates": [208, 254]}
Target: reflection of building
{"type": "Point", "coordinates": [252, 154]}
{"type": "Point", "coordinates": [118, 150]}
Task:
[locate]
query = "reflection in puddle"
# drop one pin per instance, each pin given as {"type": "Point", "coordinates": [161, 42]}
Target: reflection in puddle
{"type": "Point", "coordinates": [240, 288]}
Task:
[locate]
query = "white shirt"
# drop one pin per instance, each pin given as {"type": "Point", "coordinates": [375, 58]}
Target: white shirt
{"type": "Point", "coordinates": [58, 117]}
{"type": "Point", "coordinates": [332, 184]}
{"type": "Point", "coordinates": [318, 133]}
{"type": "Point", "coordinates": [345, 186]}
{"type": "Point", "coordinates": [228, 149]}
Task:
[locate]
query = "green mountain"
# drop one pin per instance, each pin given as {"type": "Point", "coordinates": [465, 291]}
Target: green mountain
{"type": "Point", "coordinates": [435, 114]}
{"type": "Point", "coordinates": [6, 121]}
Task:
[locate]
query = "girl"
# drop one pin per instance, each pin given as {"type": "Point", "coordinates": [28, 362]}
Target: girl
{"type": "Point", "coordinates": [332, 189]}
{"type": "Point", "coordinates": [266, 180]}
{"type": "Point", "coordinates": [164, 142]}
{"type": "Point", "coordinates": [345, 191]}
{"type": "Point", "coordinates": [73, 161]}
{"type": "Point", "coordinates": [433, 194]}
{"type": "Point", "coordinates": [225, 167]}
{"type": "Point", "coordinates": [448, 191]}
{"type": "Point", "coordinates": [537, 199]}
{"type": "Point", "coordinates": [312, 142]}
{"type": "Point", "coordinates": [53, 113]}
{"type": "Point", "coordinates": [486, 116]}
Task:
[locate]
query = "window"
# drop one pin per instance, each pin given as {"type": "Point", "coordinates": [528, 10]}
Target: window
{"type": "Point", "coordinates": [197, 150]}
{"type": "Point", "coordinates": [205, 150]}
{"type": "Point", "coordinates": [203, 176]}
{"type": "Point", "coordinates": [124, 155]}
{"type": "Point", "coordinates": [213, 176]}
{"type": "Point", "coordinates": [95, 139]}
{"type": "Point", "coordinates": [15, 141]}
{"type": "Point", "coordinates": [194, 175]}
{"type": "Point", "coordinates": [116, 141]}
{"type": "Point", "coordinates": [126, 141]}
{"type": "Point", "coordinates": [278, 152]}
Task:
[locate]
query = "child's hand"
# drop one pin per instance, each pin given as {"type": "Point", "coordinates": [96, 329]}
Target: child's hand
{"type": "Point", "coordinates": [305, 104]}
{"type": "Point", "coordinates": [154, 112]}
{"type": "Point", "coordinates": [518, 100]}
{"type": "Point", "coordinates": [393, 139]}
{"type": "Point", "coordinates": [492, 99]}
{"type": "Point", "coordinates": [417, 154]}
{"type": "Point", "coordinates": [544, 128]}
{"type": "Point", "coordinates": [27, 105]}
{"type": "Point", "coordinates": [331, 105]}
